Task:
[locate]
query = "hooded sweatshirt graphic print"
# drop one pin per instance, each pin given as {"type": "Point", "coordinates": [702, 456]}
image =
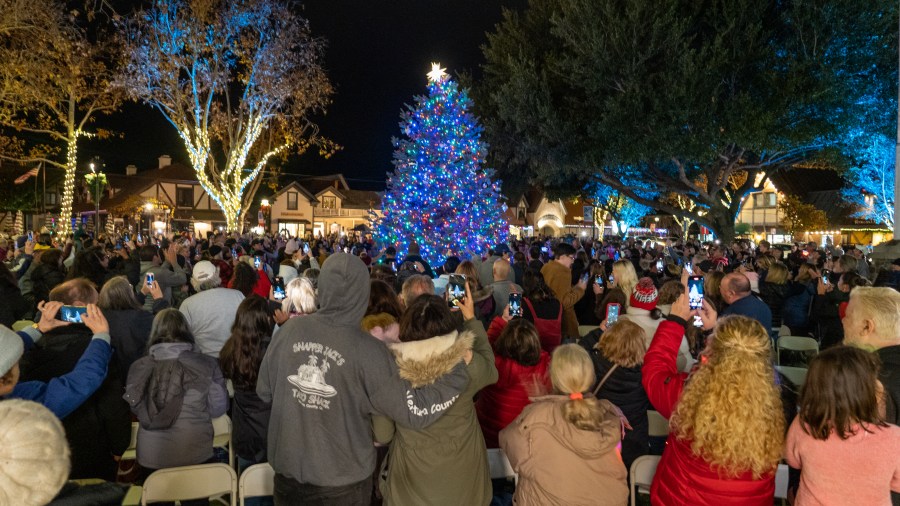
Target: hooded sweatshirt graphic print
{"type": "Point", "coordinates": [326, 377]}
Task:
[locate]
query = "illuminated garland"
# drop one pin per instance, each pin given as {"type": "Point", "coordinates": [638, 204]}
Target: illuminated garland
{"type": "Point", "coordinates": [439, 195]}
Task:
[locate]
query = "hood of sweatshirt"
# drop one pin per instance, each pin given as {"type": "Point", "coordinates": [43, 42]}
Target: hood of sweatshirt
{"type": "Point", "coordinates": [343, 290]}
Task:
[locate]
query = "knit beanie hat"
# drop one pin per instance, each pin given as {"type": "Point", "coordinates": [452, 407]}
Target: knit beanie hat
{"type": "Point", "coordinates": [644, 295]}
{"type": "Point", "coordinates": [11, 350]}
{"type": "Point", "coordinates": [34, 455]}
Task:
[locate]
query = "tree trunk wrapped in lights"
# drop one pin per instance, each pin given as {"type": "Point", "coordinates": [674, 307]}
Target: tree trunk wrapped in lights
{"type": "Point", "coordinates": [237, 80]}
{"type": "Point", "coordinates": [54, 82]}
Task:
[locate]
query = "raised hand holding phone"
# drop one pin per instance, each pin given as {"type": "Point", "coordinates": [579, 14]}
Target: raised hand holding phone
{"type": "Point", "coordinates": [467, 305]}
{"type": "Point", "coordinates": [48, 311]}
{"type": "Point", "coordinates": [95, 320]}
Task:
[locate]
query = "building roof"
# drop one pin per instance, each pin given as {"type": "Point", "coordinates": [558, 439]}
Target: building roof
{"type": "Point", "coordinates": [315, 184]}
{"type": "Point", "coordinates": [297, 187]}
{"type": "Point", "coordinates": [127, 186]}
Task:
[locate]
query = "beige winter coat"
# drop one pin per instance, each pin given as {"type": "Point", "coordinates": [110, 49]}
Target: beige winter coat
{"type": "Point", "coordinates": [559, 464]}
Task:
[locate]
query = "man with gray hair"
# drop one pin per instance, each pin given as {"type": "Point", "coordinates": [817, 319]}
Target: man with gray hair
{"type": "Point", "coordinates": [872, 322]}
{"type": "Point", "coordinates": [210, 312]}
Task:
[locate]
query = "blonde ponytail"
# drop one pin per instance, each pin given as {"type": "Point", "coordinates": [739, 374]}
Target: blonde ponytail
{"type": "Point", "coordinates": [572, 374]}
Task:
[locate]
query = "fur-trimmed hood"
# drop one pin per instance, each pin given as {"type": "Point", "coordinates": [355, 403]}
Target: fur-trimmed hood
{"type": "Point", "coordinates": [423, 362]}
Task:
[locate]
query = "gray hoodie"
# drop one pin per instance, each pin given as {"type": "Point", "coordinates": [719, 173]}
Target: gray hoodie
{"type": "Point", "coordinates": [325, 377]}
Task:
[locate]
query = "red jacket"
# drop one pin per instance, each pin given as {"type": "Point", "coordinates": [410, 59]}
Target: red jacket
{"type": "Point", "coordinates": [681, 477]}
{"type": "Point", "coordinates": [499, 404]}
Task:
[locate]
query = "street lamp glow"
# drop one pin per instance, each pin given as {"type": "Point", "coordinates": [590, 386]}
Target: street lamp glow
{"type": "Point", "coordinates": [265, 202]}
{"type": "Point", "coordinates": [91, 165]}
{"type": "Point", "coordinates": [149, 206]}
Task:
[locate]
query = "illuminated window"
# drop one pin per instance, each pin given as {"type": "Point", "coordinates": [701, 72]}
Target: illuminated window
{"type": "Point", "coordinates": [764, 200]}
{"type": "Point", "coordinates": [329, 203]}
{"type": "Point", "coordinates": [292, 201]}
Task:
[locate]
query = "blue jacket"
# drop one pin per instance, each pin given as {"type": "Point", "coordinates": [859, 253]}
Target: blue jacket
{"type": "Point", "coordinates": [752, 307]}
{"type": "Point", "coordinates": [64, 394]}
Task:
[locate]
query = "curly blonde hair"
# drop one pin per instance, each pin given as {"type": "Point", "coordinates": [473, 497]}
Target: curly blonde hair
{"type": "Point", "coordinates": [730, 410]}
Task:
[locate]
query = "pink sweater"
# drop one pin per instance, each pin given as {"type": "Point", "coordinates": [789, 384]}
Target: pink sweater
{"type": "Point", "coordinates": [861, 469]}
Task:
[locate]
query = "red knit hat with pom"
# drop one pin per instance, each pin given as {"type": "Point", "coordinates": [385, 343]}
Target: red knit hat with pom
{"type": "Point", "coordinates": [645, 295]}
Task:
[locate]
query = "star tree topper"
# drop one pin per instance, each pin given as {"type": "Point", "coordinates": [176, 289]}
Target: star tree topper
{"type": "Point", "coordinates": [437, 74]}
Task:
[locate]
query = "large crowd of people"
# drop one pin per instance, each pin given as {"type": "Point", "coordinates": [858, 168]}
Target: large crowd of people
{"type": "Point", "coordinates": [364, 377]}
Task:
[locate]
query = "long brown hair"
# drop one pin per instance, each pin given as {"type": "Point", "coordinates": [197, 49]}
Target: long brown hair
{"type": "Point", "coordinates": [243, 352]}
{"type": "Point", "coordinates": [841, 390]}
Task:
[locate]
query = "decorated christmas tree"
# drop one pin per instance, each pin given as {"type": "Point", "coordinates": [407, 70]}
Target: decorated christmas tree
{"type": "Point", "coordinates": [439, 195]}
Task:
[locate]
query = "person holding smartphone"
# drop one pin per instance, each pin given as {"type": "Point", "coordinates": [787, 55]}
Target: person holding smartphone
{"type": "Point", "coordinates": [100, 427]}
{"type": "Point", "coordinates": [558, 276]}
{"type": "Point", "coordinates": [163, 264]}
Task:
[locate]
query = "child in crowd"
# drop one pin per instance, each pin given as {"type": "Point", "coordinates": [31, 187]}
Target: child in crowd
{"type": "Point", "coordinates": [840, 441]}
{"type": "Point", "coordinates": [563, 446]}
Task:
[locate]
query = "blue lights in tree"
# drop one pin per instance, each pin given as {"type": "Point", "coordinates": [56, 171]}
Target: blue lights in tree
{"type": "Point", "coordinates": [870, 178]}
{"type": "Point", "coordinates": [439, 195]}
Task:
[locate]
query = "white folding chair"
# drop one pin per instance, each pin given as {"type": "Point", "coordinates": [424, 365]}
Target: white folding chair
{"type": "Point", "coordinates": [795, 343]}
{"type": "Point", "coordinates": [499, 464]}
{"type": "Point", "coordinates": [222, 436]}
{"type": "Point", "coordinates": [797, 375]}
{"type": "Point", "coordinates": [190, 482]}
{"type": "Point", "coordinates": [658, 426]}
{"type": "Point", "coordinates": [781, 482]}
{"type": "Point", "coordinates": [642, 470]}
{"type": "Point", "coordinates": [784, 331]}
{"type": "Point", "coordinates": [130, 453]}
{"type": "Point", "coordinates": [256, 481]}
{"type": "Point", "coordinates": [584, 330]}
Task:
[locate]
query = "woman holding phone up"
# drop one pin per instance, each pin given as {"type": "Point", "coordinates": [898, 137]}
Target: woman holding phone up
{"type": "Point", "coordinates": [724, 445]}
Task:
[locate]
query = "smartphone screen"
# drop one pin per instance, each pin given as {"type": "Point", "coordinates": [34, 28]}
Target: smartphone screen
{"type": "Point", "coordinates": [695, 292]}
{"type": "Point", "coordinates": [660, 265]}
{"type": "Point", "coordinates": [234, 253]}
{"type": "Point", "coordinates": [31, 236]}
{"type": "Point", "coordinates": [118, 244]}
{"type": "Point", "coordinates": [612, 278]}
{"type": "Point", "coordinates": [150, 280]}
{"type": "Point", "coordinates": [456, 289]}
{"type": "Point", "coordinates": [825, 277]}
{"type": "Point", "coordinates": [598, 279]}
{"type": "Point", "coordinates": [256, 262]}
{"type": "Point", "coordinates": [139, 237]}
{"type": "Point", "coordinates": [616, 256]}
{"type": "Point", "coordinates": [544, 249]}
{"type": "Point", "coordinates": [71, 313]}
{"type": "Point", "coordinates": [689, 267]}
{"type": "Point", "coordinates": [278, 290]}
{"type": "Point", "coordinates": [515, 305]}
{"type": "Point", "coordinates": [612, 313]}
{"type": "Point", "coordinates": [127, 237]}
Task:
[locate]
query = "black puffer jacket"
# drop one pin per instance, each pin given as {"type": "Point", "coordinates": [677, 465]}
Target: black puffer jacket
{"type": "Point", "coordinates": [774, 296]}
{"type": "Point", "coordinates": [624, 389]}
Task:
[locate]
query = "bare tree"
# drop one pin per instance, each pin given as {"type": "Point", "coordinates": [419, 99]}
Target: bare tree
{"type": "Point", "coordinates": [53, 85]}
{"type": "Point", "coordinates": [237, 80]}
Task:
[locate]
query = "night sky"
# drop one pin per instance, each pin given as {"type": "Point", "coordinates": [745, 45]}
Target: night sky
{"type": "Point", "coordinates": [377, 56]}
